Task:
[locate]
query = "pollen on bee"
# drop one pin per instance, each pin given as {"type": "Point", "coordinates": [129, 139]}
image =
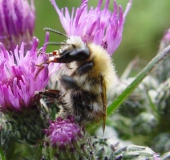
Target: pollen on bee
{"type": "Point", "coordinates": [55, 53]}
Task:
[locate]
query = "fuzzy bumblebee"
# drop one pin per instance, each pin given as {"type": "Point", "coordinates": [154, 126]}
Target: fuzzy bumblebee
{"type": "Point", "coordinates": [85, 78]}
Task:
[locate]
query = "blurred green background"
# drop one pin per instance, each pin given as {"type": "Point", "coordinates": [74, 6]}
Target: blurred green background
{"type": "Point", "coordinates": [144, 27]}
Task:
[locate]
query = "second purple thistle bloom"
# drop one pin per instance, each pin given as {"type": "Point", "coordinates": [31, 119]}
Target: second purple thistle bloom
{"type": "Point", "coordinates": [101, 26]}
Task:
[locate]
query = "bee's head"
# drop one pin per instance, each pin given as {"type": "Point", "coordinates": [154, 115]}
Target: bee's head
{"type": "Point", "coordinates": [73, 50]}
{"type": "Point", "coordinates": [75, 42]}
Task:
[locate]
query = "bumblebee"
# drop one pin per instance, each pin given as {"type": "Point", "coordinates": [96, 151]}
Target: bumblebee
{"type": "Point", "coordinates": [85, 77]}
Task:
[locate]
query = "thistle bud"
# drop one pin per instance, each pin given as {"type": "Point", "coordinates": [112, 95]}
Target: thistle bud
{"type": "Point", "coordinates": [144, 123]}
{"type": "Point", "coordinates": [162, 99]}
{"type": "Point", "coordinates": [108, 151]}
{"type": "Point", "coordinates": [138, 100]}
{"type": "Point", "coordinates": [65, 139]}
{"type": "Point", "coordinates": [139, 153]}
{"type": "Point", "coordinates": [161, 143]}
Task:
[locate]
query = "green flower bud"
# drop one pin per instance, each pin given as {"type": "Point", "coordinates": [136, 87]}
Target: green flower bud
{"type": "Point", "coordinates": [144, 123]}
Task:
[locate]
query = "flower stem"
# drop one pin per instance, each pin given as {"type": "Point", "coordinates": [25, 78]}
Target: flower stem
{"type": "Point", "coordinates": [154, 62]}
{"type": "Point", "coordinates": [2, 154]}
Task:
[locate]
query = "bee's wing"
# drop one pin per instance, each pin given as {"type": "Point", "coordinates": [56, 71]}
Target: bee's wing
{"type": "Point", "coordinates": [104, 100]}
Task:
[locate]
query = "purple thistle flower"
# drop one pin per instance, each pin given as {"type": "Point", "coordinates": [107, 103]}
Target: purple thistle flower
{"type": "Point", "coordinates": [65, 139]}
{"type": "Point", "coordinates": [102, 27]}
{"type": "Point", "coordinates": [21, 77]}
{"type": "Point", "coordinates": [63, 132]}
{"type": "Point", "coordinates": [165, 40]}
{"type": "Point", "coordinates": [166, 36]}
{"type": "Point", "coordinates": [17, 23]}
{"type": "Point", "coordinates": [156, 156]}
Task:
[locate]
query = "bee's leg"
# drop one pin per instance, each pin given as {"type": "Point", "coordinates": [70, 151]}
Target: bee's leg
{"type": "Point", "coordinates": [51, 93]}
{"type": "Point", "coordinates": [74, 55]}
{"type": "Point", "coordinates": [83, 69]}
{"type": "Point", "coordinates": [68, 82]}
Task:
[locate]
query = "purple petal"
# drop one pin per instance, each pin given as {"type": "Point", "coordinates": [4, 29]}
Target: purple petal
{"type": "Point", "coordinates": [95, 23]}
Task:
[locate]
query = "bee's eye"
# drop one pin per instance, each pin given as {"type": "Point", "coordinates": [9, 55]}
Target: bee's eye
{"type": "Point", "coordinates": [61, 51]}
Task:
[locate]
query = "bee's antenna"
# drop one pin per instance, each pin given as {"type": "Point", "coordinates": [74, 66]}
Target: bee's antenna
{"type": "Point", "coordinates": [55, 43]}
{"type": "Point", "coordinates": [55, 31]}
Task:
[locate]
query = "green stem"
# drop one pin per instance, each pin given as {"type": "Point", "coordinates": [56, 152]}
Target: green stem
{"type": "Point", "coordinates": [120, 99]}
{"type": "Point", "coordinates": [2, 154]}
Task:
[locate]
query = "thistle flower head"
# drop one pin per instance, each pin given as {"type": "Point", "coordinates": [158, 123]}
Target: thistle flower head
{"type": "Point", "coordinates": [21, 77]}
{"type": "Point", "coordinates": [103, 27]}
{"type": "Point", "coordinates": [17, 23]}
{"type": "Point", "coordinates": [63, 132]}
{"type": "Point", "coordinates": [67, 140]}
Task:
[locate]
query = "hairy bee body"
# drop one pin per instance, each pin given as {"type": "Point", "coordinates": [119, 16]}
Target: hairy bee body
{"type": "Point", "coordinates": [84, 82]}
